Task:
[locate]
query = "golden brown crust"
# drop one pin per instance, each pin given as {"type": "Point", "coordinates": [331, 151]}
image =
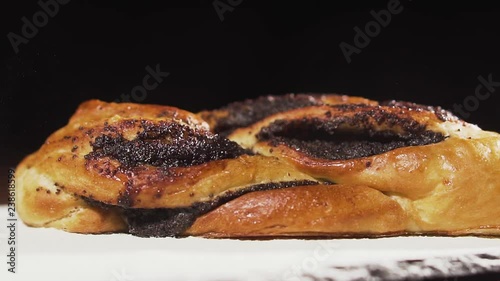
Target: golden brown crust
{"type": "Point", "coordinates": [42, 203]}
{"type": "Point", "coordinates": [318, 210]}
{"type": "Point", "coordinates": [54, 180]}
{"type": "Point", "coordinates": [446, 186]}
{"type": "Point", "coordinates": [247, 112]}
{"type": "Point", "coordinates": [88, 172]}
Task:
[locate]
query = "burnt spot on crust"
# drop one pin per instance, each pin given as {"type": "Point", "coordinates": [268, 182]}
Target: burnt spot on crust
{"type": "Point", "coordinates": [174, 222]}
{"type": "Point", "coordinates": [164, 145]}
{"type": "Point", "coordinates": [244, 113]}
{"type": "Point", "coordinates": [441, 114]}
{"type": "Point", "coordinates": [348, 137]}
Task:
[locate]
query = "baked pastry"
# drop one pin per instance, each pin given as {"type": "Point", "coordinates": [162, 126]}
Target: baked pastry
{"type": "Point", "coordinates": [441, 170]}
{"type": "Point", "coordinates": [244, 113]}
{"type": "Point", "coordinates": [293, 165]}
{"type": "Point", "coordinates": [147, 169]}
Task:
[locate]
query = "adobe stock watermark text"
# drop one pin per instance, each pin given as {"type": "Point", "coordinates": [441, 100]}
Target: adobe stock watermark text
{"type": "Point", "coordinates": [222, 6]}
{"type": "Point", "coordinates": [363, 37]}
{"type": "Point", "coordinates": [29, 29]}
{"type": "Point", "coordinates": [11, 223]}
{"type": "Point", "coordinates": [483, 91]}
{"type": "Point", "coordinates": [149, 82]}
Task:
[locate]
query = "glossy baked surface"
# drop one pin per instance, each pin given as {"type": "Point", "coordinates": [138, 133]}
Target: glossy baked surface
{"type": "Point", "coordinates": [316, 165]}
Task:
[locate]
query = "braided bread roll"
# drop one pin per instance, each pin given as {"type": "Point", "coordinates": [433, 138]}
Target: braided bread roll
{"type": "Point", "coordinates": [442, 171]}
{"type": "Point", "coordinates": [316, 165]}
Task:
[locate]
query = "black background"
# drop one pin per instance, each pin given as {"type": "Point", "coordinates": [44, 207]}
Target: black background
{"type": "Point", "coordinates": [90, 49]}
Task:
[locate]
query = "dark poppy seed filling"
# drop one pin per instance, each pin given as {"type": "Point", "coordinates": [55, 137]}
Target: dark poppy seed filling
{"type": "Point", "coordinates": [174, 222]}
{"type": "Point", "coordinates": [244, 113]}
{"type": "Point", "coordinates": [330, 139]}
{"type": "Point", "coordinates": [165, 145]}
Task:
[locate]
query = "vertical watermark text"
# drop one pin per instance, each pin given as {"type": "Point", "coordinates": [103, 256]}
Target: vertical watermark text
{"type": "Point", "coordinates": [11, 223]}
